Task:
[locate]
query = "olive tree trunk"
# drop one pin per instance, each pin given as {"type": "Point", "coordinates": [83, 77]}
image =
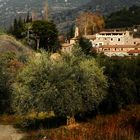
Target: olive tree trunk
{"type": "Point", "coordinates": [70, 120]}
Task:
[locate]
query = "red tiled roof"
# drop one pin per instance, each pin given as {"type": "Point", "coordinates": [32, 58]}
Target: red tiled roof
{"type": "Point", "coordinates": [119, 46]}
{"type": "Point", "coordinates": [112, 32]}
{"type": "Point", "coordinates": [134, 51]}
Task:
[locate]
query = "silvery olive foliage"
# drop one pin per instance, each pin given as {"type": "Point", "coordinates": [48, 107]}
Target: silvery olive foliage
{"type": "Point", "coordinates": [70, 84]}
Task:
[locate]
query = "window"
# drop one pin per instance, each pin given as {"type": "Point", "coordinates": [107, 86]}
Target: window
{"type": "Point", "coordinates": [134, 42]}
{"type": "Point", "coordinates": [100, 44]}
{"type": "Point", "coordinates": [119, 39]}
{"type": "Point", "coordinates": [111, 39]}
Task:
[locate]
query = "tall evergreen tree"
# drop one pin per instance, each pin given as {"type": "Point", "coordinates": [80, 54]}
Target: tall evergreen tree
{"type": "Point", "coordinates": [45, 35]}
{"type": "Point", "coordinates": [18, 28]}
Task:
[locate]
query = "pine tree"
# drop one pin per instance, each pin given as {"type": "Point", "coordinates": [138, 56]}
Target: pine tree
{"type": "Point", "coordinates": [18, 28]}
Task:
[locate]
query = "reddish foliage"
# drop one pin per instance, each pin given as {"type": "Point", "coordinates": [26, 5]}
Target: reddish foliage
{"type": "Point", "coordinates": [14, 65]}
{"type": "Point", "coordinates": [122, 126]}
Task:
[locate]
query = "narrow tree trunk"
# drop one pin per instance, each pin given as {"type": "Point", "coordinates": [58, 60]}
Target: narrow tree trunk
{"type": "Point", "coordinates": [85, 30]}
{"type": "Point", "coordinates": [28, 36]}
{"type": "Point", "coordinates": [37, 44]}
{"type": "Point", "coordinates": [70, 120]}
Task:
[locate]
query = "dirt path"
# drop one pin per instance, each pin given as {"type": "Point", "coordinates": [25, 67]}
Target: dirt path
{"type": "Point", "coordinates": [7, 132]}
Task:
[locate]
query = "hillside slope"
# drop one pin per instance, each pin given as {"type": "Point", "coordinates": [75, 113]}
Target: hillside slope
{"type": "Point", "coordinates": [10, 44]}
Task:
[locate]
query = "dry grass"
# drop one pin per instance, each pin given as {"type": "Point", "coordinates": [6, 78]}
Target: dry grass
{"type": "Point", "coordinates": [122, 126]}
{"type": "Point", "coordinates": [9, 119]}
{"type": "Point", "coordinates": [9, 43]}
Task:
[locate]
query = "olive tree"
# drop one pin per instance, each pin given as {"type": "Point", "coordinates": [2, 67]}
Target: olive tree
{"type": "Point", "coordinates": [69, 85]}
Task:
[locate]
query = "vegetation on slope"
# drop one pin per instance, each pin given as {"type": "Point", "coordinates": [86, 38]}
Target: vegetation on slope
{"type": "Point", "coordinates": [10, 44]}
{"type": "Point", "coordinates": [124, 82]}
{"type": "Point", "coordinates": [13, 55]}
{"type": "Point", "coordinates": [127, 17]}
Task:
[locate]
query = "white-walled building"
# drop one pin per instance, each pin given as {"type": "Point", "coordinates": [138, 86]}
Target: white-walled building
{"type": "Point", "coordinates": [114, 38]}
{"type": "Point", "coordinates": [111, 43]}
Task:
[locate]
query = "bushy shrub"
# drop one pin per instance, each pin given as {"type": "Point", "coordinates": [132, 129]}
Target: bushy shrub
{"type": "Point", "coordinates": [124, 82]}
{"type": "Point", "coordinates": [71, 84]}
{"type": "Point", "coordinates": [39, 123]}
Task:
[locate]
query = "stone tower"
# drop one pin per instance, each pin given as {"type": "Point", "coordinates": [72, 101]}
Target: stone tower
{"type": "Point", "coordinates": [76, 32]}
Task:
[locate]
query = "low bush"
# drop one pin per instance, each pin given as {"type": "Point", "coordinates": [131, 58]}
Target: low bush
{"type": "Point", "coordinates": [37, 123]}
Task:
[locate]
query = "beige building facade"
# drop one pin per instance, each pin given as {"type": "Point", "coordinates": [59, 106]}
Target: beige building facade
{"type": "Point", "coordinates": [115, 38]}
{"type": "Point", "coordinates": [66, 47]}
{"type": "Point", "coordinates": [111, 43]}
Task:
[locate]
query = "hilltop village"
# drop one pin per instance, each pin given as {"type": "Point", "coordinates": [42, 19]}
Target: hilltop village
{"type": "Point", "coordinates": [109, 42]}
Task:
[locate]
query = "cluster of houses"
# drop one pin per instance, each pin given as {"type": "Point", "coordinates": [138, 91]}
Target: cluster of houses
{"type": "Point", "coordinates": [110, 43]}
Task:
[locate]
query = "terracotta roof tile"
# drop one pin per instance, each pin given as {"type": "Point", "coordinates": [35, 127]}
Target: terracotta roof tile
{"type": "Point", "coordinates": [134, 51]}
{"type": "Point", "coordinates": [119, 46]}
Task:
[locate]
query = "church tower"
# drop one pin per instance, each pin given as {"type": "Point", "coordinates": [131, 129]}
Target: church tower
{"type": "Point", "coordinates": [76, 34]}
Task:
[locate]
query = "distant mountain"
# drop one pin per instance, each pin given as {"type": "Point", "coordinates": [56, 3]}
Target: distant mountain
{"type": "Point", "coordinates": [63, 12]}
{"type": "Point", "coordinates": [67, 18]}
{"type": "Point", "coordinates": [9, 9]}
{"type": "Point", "coordinates": [108, 6]}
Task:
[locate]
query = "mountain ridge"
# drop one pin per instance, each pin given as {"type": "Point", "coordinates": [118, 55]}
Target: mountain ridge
{"type": "Point", "coordinates": [63, 12]}
{"type": "Point", "coordinates": [105, 7]}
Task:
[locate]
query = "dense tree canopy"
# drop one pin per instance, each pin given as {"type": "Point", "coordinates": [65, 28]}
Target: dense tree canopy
{"type": "Point", "coordinates": [17, 29]}
{"type": "Point", "coordinates": [124, 18]}
{"type": "Point", "coordinates": [124, 82]}
{"type": "Point", "coordinates": [67, 86]}
{"type": "Point", "coordinates": [85, 45]}
{"type": "Point", "coordinates": [46, 35]}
